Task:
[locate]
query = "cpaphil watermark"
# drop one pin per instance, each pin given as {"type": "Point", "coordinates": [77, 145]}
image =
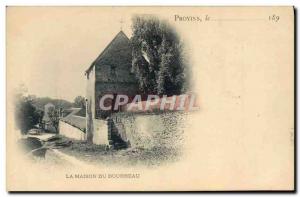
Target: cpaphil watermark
{"type": "Point", "coordinates": [114, 102]}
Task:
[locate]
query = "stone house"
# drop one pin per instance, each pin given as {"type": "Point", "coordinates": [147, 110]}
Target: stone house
{"type": "Point", "coordinates": [110, 73]}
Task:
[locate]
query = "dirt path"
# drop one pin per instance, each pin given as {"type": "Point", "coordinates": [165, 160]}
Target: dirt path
{"type": "Point", "coordinates": [43, 136]}
{"type": "Point", "coordinates": [56, 156]}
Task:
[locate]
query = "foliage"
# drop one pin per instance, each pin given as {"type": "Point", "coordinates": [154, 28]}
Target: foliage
{"type": "Point", "coordinates": [79, 101]}
{"type": "Point", "coordinates": [26, 115]}
{"type": "Point", "coordinates": [53, 115]}
{"type": "Point", "coordinates": [158, 60]}
{"type": "Point", "coordinates": [40, 102]}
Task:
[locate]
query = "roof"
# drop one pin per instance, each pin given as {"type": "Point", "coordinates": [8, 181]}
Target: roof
{"type": "Point", "coordinates": [66, 112]}
{"type": "Point", "coordinates": [113, 50]}
{"type": "Point", "coordinates": [74, 120]}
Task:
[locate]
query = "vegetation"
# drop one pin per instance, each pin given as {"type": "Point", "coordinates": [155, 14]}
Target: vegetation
{"type": "Point", "coordinates": [79, 101]}
{"type": "Point", "coordinates": [26, 114]}
{"type": "Point", "coordinates": [40, 102]}
{"type": "Point", "coordinates": [157, 57]}
{"type": "Point", "coordinates": [29, 110]}
{"type": "Point", "coordinates": [53, 115]}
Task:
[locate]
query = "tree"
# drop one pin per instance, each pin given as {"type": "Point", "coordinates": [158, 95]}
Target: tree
{"type": "Point", "coordinates": [53, 115]}
{"type": "Point", "coordinates": [40, 116]}
{"type": "Point", "coordinates": [158, 59]}
{"type": "Point", "coordinates": [79, 101]}
{"type": "Point", "coordinates": [26, 115]}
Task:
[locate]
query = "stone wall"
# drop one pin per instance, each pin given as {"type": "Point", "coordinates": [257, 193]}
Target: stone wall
{"type": "Point", "coordinates": [150, 130]}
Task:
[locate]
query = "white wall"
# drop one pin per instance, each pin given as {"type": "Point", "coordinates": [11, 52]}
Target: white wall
{"type": "Point", "coordinates": [100, 135]}
{"type": "Point", "coordinates": [70, 131]}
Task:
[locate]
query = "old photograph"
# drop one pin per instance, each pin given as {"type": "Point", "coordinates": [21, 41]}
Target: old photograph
{"type": "Point", "coordinates": [150, 98]}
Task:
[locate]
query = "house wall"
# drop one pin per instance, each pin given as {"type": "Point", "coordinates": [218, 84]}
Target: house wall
{"type": "Point", "coordinates": [90, 104]}
{"type": "Point", "coordinates": [101, 88]}
{"type": "Point", "coordinates": [109, 73]}
{"type": "Point", "coordinates": [90, 92]}
{"type": "Point", "coordinates": [70, 131]}
{"type": "Point", "coordinates": [100, 132]}
{"type": "Point", "coordinates": [113, 73]}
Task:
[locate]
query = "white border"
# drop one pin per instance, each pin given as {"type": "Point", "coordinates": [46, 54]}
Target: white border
{"type": "Point", "coordinates": [150, 2]}
{"type": "Point", "coordinates": [5, 3]}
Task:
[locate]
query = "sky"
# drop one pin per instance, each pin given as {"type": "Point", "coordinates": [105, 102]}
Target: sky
{"type": "Point", "coordinates": [48, 49]}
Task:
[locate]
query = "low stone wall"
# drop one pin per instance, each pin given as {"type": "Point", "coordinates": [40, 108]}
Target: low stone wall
{"type": "Point", "coordinates": [70, 131]}
{"type": "Point", "coordinates": [140, 130]}
{"type": "Point", "coordinates": [152, 130]}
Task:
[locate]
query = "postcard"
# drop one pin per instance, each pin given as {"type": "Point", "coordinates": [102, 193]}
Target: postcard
{"type": "Point", "coordinates": [150, 98]}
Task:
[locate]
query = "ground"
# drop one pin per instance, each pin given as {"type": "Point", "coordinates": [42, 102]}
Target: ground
{"type": "Point", "coordinates": [131, 156]}
{"type": "Point", "coordinates": [96, 154]}
{"type": "Point", "coordinates": [81, 153]}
